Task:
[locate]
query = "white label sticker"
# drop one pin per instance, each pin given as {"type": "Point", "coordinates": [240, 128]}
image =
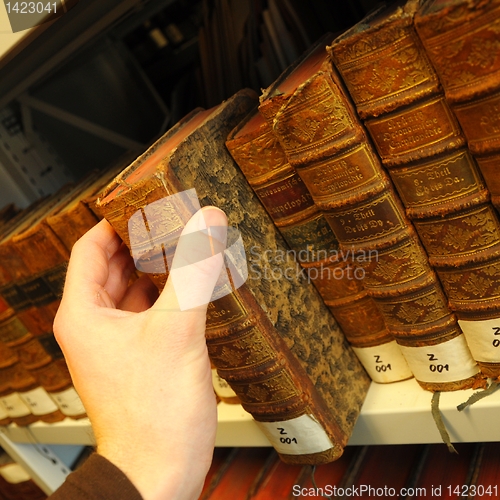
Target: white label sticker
{"type": "Point", "coordinates": [69, 402]}
{"type": "Point", "coordinates": [297, 436]}
{"type": "Point", "coordinates": [14, 473]}
{"type": "Point", "coordinates": [15, 406]}
{"type": "Point", "coordinates": [38, 401]}
{"type": "Point", "coordinates": [483, 338]}
{"type": "Point", "coordinates": [221, 387]}
{"type": "Point", "coordinates": [446, 362]}
{"type": "Point", "coordinates": [384, 363]}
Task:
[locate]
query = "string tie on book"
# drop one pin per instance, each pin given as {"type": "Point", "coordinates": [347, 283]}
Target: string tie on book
{"type": "Point", "coordinates": [436, 414]}
{"type": "Point", "coordinates": [479, 395]}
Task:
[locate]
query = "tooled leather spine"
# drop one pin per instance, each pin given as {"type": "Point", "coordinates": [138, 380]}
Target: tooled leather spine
{"type": "Point", "coordinates": [422, 145]}
{"type": "Point", "coordinates": [323, 137]}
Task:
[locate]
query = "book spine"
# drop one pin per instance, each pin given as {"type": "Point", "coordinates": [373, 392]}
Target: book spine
{"type": "Point", "coordinates": [324, 139]}
{"type": "Point", "coordinates": [35, 298]}
{"type": "Point", "coordinates": [11, 404]}
{"type": "Point", "coordinates": [464, 54]}
{"type": "Point", "coordinates": [23, 397]}
{"type": "Point", "coordinates": [18, 291]}
{"type": "Point", "coordinates": [424, 150]}
{"type": "Point", "coordinates": [290, 205]}
{"type": "Point", "coordinates": [46, 259]}
{"type": "Point", "coordinates": [72, 225]}
{"type": "Point", "coordinates": [19, 347]}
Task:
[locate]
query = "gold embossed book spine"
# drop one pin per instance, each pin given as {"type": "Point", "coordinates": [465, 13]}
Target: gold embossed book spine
{"type": "Point", "coordinates": [273, 339]}
{"type": "Point", "coordinates": [399, 97]}
{"type": "Point", "coordinates": [325, 141]}
{"type": "Point", "coordinates": [284, 195]}
{"type": "Point", "coordinates": [462, 40]}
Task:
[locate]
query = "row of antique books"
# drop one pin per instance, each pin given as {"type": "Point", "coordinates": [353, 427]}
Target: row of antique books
{"type": "Point", "coordinates": [359, 194]}
{"type": "Point", "coordinates": [375, 154]}
{"type": "Point", "coordinates": [35, 245]}
{"type": "Point", "coordinates": [372, 244]}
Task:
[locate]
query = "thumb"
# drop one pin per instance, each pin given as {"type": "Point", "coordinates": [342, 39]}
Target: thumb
{"type": "Point", "coordinates": [198, 261]}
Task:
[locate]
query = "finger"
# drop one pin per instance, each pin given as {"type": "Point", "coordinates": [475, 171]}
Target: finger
{"type": "Point", "coordinates": [197, 263]}
{"type": "Point", "coordinates": [88, 267]}
{"type": "Point", "coordinates": [141, 295]}
{"type": "Point", "coordinates": [121, 267]}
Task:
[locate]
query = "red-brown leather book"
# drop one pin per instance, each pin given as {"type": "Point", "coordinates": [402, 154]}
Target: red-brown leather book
{"type": "Point", "coordinates": [36, 261]}
{"type": "Point", "coordinates": [319, 130]}
{"type": "Point", "coordinates": [325, 478]}
{"type": "Point", "coordinates": [398, 95]}
{"type": "Point", "coordinates": [444, 474]}
{"type": "Point", "coordinates": [273, 340]}
{"type": "Point", "coordinates": [222, 389]}
{"type": "Point", "coordinates": [485, 480]}
{"type": "Point", "coordinates": [72, 220]}
{"type": "Point", "coordinates": [280, 478]}
{"type": "Point", "coordinates": [17, 410]}
{"type": "Point", "coordinates": [461, 40]}
{"type": "Point", "coordinates": [7, 358]}
{"type": "Point", "coordinates": [221, 460]}
{"type": "Point", "coordinates": [282, 192]}
{"type": "Point", "coordinates": [17, 288]}
{"type": "Point", "coordinates": [75, 218]}
{"type": "Point", "coordinates": [18, 338]}
{"type": "Point", "coordinates": [241, 474]}
{"type": "Point", "coordinates": [385, 470]}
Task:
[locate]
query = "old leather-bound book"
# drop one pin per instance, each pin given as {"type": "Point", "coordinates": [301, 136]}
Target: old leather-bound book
{"type": "Point", "coordinates": [17, 410]}
{"type": "Point", "coordinates": [284, 195]}
{"type": "Point", "coordinates": [7, 358]}
{"type": "Point", "coordinates": [36, 261]}
{"type": "Point", "coordinates": [462, 41]}
{"type": "Point", "coordinates": [319, 129]}
{"type": "Point", "coordinates": [75, 218]}
{"type": "Point", "coordinates": [243, 475]}
{"type": "Point", "coordinates": [16, 285]}
{"type": "Point", "coordinates": [398, 95]}
{"type": "Point", "coordinates": [272, 339]}
{"type": "Point", "coordinates": [72, 220]}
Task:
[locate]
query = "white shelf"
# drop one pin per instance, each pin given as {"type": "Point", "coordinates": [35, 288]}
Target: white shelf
{"type": "Point", "coordinates": [398, 413]}
{"type": "Point", "coordinates": [44, 466]}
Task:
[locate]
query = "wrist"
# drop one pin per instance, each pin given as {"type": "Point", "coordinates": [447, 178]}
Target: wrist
{"type": "Point", "coordinates": [157, 479]}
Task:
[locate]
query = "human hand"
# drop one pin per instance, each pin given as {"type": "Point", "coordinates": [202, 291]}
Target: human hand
{"type": "Point", "coordinates": [140, 365]}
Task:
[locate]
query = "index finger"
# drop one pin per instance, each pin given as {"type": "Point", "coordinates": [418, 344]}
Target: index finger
{"type": "Point", "coordinates": [88, 268]}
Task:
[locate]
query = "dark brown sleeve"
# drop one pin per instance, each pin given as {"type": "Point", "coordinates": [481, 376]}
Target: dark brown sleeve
{"type": "Point", "coordinates": [97, 479]}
